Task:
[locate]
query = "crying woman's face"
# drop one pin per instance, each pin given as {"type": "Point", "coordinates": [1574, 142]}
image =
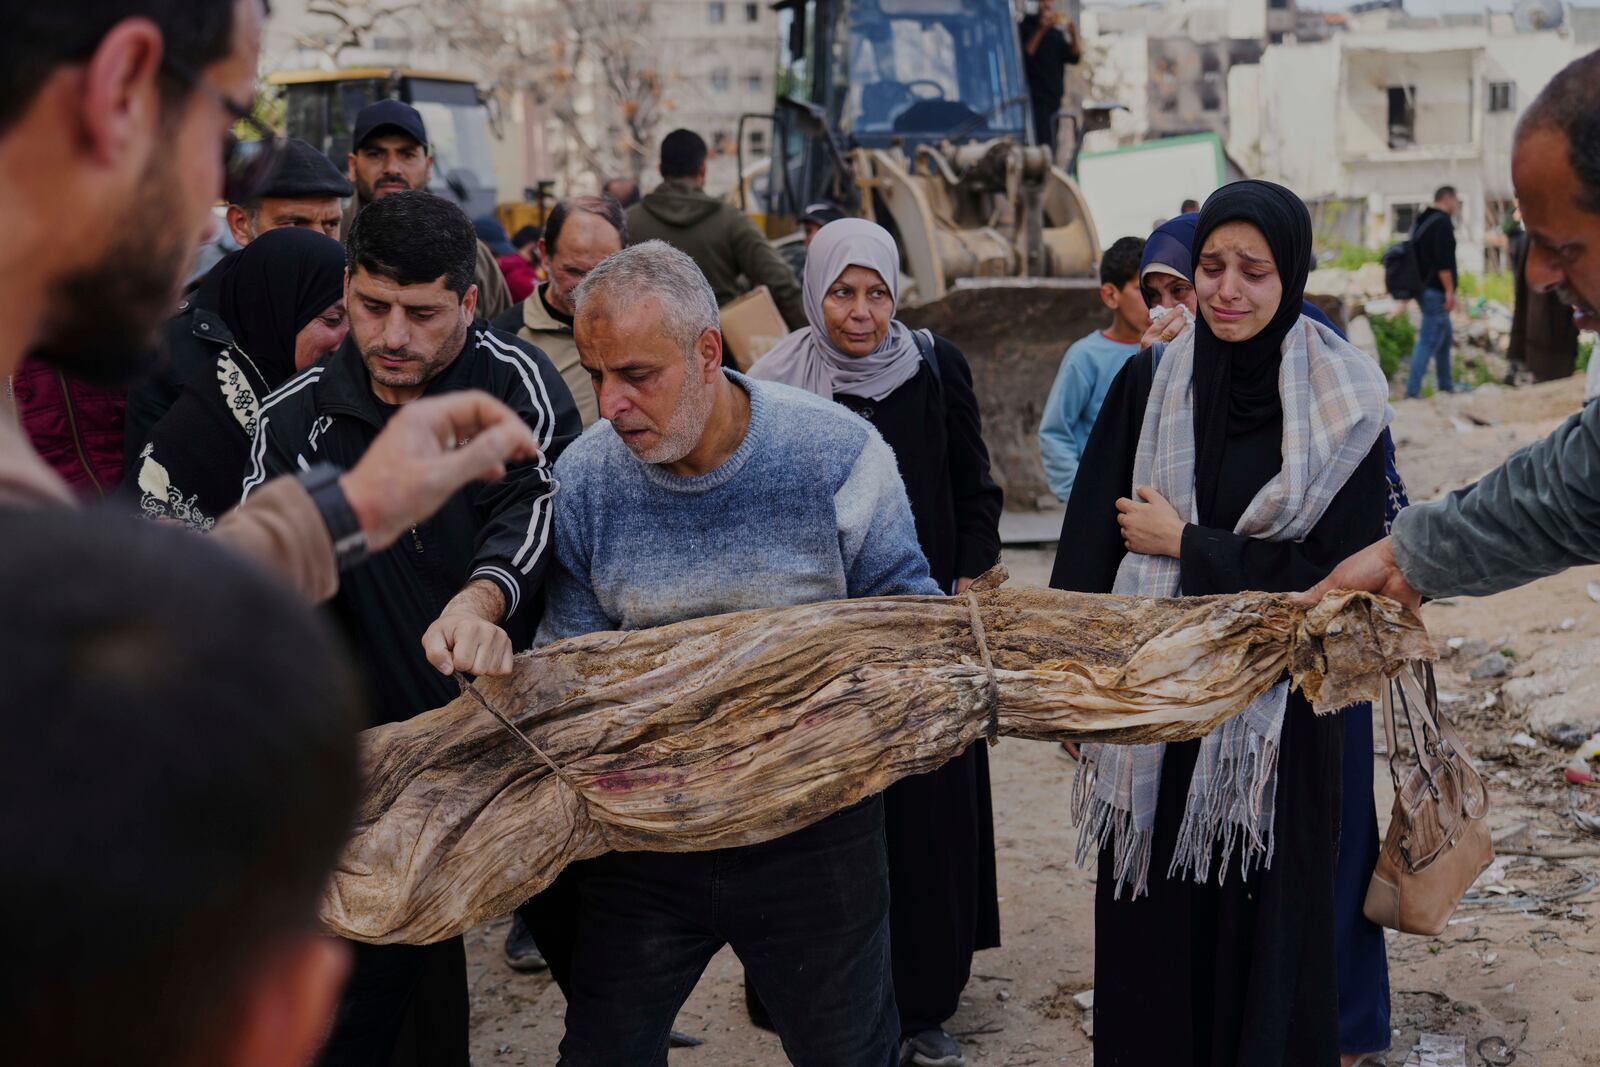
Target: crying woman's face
{"type": "Point", "coordinates": [1237, 282]}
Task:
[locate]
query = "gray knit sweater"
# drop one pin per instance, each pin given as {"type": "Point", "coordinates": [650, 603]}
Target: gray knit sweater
{"type": "Point", "coordinates": [810, 507]}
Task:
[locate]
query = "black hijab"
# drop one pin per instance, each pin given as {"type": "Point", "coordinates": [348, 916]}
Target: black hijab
{"type": "Point", "coordinates": [1236, 383]}
{"type": "Point", "coordinates": [266, 293]}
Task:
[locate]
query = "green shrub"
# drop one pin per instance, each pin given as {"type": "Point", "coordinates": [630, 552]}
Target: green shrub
{"type": "Point", "coordinates": [1499, 286]}
{"type": "Point", "coordinates": [1396, 338]}
{"type": "Point", "coordinates": [1351, 256]}
{"type": "Point", "coordinates": [1469, 368]}
{"type": "Point", "coordinates": [1585, 350]}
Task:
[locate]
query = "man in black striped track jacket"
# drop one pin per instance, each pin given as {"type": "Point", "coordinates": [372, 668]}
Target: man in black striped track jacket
{"type": "Point", "coordinates": [455, 592]}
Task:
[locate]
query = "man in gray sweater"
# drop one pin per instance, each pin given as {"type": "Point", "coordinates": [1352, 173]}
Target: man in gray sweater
{"type": "Point", "coordinates": [705, 492]}
{"type": "Point", "coordinates": [1539, 512]}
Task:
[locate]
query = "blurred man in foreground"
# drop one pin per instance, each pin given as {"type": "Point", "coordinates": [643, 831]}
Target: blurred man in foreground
{"type": "Point", "coordinates": [186, 777]}
{"type": "Point", "coordinates": [184, 784]}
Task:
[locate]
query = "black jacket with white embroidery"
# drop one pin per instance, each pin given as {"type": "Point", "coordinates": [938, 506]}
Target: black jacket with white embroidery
{"type": "Point", "coordinates": [500, 531]}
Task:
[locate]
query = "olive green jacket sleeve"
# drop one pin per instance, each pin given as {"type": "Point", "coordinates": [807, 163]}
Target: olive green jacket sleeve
{"type": "Point", "coordinates": [1535, 514]}
{"type": "Point", "coordinates": [762, 264]}
{"type": "Point", "coordinates": [494, 296]}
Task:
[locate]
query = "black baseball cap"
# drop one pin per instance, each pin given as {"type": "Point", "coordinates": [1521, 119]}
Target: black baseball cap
{"type": "Point", "coordinates": [823, 212]}
{"type": "Point", "coordinates": [304, 171]}
{"type": "Point", "coordinates": [386, 116]}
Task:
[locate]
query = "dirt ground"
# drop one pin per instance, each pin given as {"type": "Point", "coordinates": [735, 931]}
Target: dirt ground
{"type": "Point", "coordinates": [1516, 973]}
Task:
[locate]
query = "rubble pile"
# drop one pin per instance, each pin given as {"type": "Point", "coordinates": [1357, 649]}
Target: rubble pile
{"type": "Point", "coordinates": [1482, 326]}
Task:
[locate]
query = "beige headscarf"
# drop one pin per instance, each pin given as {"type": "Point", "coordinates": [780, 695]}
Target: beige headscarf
{"type": "Point", "coordinates": [807, 358]}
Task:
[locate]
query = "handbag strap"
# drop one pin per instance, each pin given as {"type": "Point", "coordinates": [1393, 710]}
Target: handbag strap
{"type": "Point", "coordinates": [1388, 730]}
{"type": "Point", "coordinates": [1419, 699]}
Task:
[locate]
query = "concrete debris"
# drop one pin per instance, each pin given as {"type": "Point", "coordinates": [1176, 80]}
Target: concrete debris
{"type": "Point", "coordinates": [1438, 1050]}
{"type": "Point", "coordinates": [1085, 1003]}
{"type": "Point", "coordinates": [1371, 279]}
{"type": "Point", "coordinates": [1561, 698]}
{"type": "Point", "coordinates": [1494, 665]}
{"type": "Point", "coordinates": [1328, 281]}
{"type": "Point", "coordinates": [1360, 333]}
{"type": "Point", "coordinates": [1469, 648]}
{"type": "Point", "coordinates": [1364, 283]}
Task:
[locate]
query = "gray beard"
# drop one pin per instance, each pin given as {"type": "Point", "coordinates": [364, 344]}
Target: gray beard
{"type": "Point", "coordinates": [686, 426]}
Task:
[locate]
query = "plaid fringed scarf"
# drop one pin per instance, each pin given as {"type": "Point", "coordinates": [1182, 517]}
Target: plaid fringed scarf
{"type": "Point", "coordinates": [1335, 403]}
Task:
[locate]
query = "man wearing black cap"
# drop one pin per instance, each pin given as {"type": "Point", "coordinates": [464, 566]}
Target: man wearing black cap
{"type": "Point", "coordinates": [304, 191]}
{"type": "Point", "coordinates": [389, 154]}
{"type": "Point", "coordinates": [818, 215]}
{"type": "Point", "coordinates": [813, 218]}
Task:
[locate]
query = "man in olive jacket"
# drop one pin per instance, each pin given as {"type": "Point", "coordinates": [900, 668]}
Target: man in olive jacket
{"type": "Point", "coordinates": [722, 241]}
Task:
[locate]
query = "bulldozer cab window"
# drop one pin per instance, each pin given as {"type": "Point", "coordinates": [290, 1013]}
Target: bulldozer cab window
{"type": "Point", "coordinates": [458, 132]}
{"type": "Point", "coordinates": [928, 69]}
{"type": "Point", "coordinates": [796, 22]}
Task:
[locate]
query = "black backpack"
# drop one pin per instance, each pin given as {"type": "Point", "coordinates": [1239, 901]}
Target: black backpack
{"type": "Point", "coordinates": [1402, 270]}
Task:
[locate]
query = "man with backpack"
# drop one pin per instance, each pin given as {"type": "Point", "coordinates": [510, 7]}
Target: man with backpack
{"type": "Point", "coordinates": [1433, 241]}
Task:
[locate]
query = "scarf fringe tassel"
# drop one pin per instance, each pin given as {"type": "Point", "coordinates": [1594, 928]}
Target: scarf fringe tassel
{"type": "Point", "coordinates": [1098, 821]}
{"type": "Point", "coordinates": [1234, 809]}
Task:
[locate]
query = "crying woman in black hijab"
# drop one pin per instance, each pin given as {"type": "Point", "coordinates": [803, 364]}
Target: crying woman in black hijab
{"type": "Point", "coordinates": [281, 300]}
{"type": "Point", "coordinates": [1247, 458]}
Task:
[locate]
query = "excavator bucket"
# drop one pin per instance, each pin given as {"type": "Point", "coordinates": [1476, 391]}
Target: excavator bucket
{"type": "Point", "coordinates": [1014, 332]}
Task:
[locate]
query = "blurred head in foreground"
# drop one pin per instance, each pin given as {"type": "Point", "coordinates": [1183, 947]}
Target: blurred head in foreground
{"type": "Point", "coordinates": [182, 776]}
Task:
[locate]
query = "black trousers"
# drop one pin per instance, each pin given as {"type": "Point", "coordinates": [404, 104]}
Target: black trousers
{"type": "Point", "coordinates": [807, 914]}
{"type": "Point", "coordinates": [943, 899]}
{"type": "Point", "coordinates": [404, 1005]}
{"type": "Point", "coordinates": [1044, 124]}
{"type": "Point", "coordinates": [552, 919]}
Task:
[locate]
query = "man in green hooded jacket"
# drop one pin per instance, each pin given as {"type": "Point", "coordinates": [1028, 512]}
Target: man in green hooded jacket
{"type": "Point", "coordinates": [722, 241]}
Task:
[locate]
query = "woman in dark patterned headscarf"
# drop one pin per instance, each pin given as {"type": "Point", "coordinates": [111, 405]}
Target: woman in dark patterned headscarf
{"type": "Point", "coordinates": [281, 304]}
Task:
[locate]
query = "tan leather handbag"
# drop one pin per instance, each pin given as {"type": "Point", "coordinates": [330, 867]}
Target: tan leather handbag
{"type": "Point", "coordinates": [1438, 840]}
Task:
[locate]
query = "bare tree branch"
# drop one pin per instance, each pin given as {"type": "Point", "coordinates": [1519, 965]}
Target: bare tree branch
{"type": "Point", "coordinates": [587, 64]}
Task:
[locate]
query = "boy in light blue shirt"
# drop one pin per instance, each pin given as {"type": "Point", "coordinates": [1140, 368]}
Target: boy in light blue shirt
{"type": "Point", "coordinates": [1089, 366]}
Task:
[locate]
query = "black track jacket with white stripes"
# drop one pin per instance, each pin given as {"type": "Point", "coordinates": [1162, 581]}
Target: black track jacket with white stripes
{"type": "Point", "coordinates": [500, 531]}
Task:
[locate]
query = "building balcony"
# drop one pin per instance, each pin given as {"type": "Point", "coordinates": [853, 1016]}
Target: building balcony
{"type": "Point", "coordinates": [1422, 153]}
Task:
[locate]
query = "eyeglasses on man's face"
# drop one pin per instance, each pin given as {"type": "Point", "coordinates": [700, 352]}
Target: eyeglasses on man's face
{"type": "Point", "coordinates": [248, 162]}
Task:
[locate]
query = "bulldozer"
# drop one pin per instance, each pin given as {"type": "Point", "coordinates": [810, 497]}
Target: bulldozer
{"type": "Point", "coordinates": [915, 114]}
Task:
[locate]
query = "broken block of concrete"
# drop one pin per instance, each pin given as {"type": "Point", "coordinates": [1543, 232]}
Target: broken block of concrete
{"type": "Point", "coordinates": [1562, 696]}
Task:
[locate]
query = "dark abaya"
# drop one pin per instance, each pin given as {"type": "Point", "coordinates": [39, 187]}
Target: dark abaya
{"type": "Point", "coordinates": [1544, 339]}
{"type": "Point", "coordinates": [939, 826]}
{"type": "Point", "coordinates": [265, 294]}
{"type": "Point", "coordinates": [1240, 974]}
